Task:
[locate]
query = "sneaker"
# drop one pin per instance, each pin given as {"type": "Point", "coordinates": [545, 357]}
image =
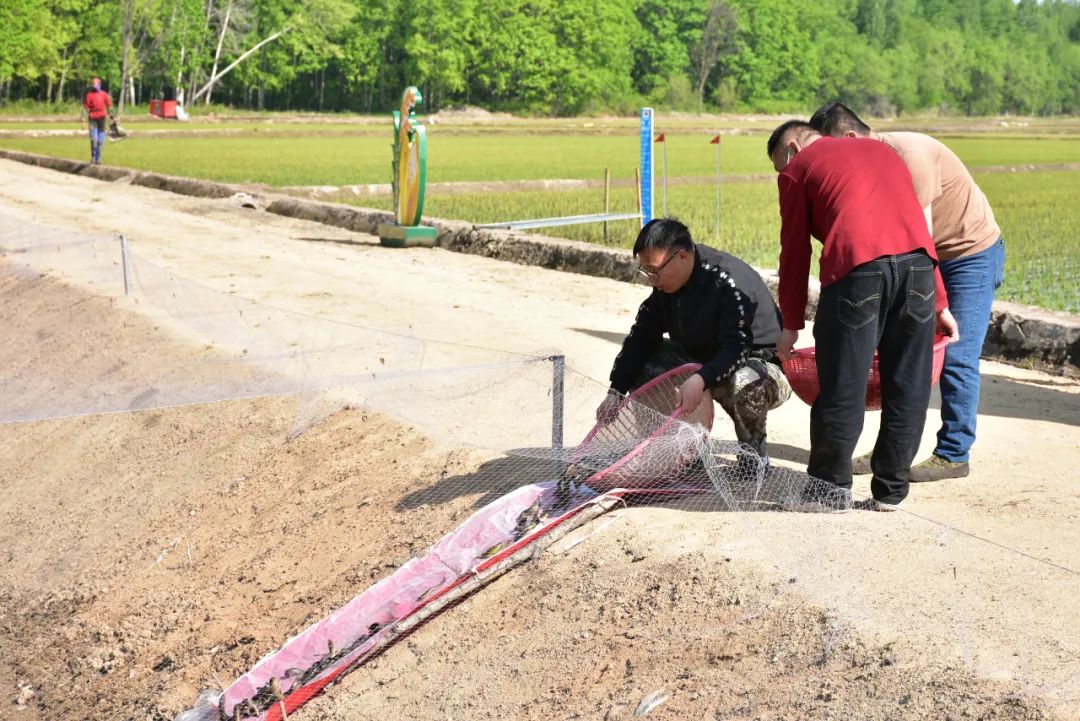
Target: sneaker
{"type": "Point", "coordinates": [860, 466]}
{"type": "Point", "coordinates": [835, 502]}
{"type": "Point", "coordinates": [813, 507]}
{"type": "Point", "coordinates": [872, 504]}
{"type": "Point", "coordinates": [937, 468]}
{"type": "Point", "coordinates": [751, 467]}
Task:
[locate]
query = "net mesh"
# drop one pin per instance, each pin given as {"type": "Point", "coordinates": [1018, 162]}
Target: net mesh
{"type": "Point", "coordinates": [499, 487]}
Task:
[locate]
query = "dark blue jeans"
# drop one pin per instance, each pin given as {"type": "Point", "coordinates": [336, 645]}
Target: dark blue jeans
{"type": "Point", "coordinates": [885, 305]}
{"type": "Point", "coordinates": [97, 139]}
{"type": "Point", "coordinates": [970, 282]}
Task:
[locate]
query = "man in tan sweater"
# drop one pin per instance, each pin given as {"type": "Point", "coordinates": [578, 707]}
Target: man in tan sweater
{"type": "Point", "coordinates": [972, 259]}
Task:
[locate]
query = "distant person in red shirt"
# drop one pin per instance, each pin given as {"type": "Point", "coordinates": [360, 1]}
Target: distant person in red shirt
{"type": "Point", "coordinates": [97, 106]}
{"type": "Point", "coordinates": [880, 290]}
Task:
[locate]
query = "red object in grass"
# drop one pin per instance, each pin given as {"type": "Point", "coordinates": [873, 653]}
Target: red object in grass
{"type": "Point", "coordinates": [801, 372]}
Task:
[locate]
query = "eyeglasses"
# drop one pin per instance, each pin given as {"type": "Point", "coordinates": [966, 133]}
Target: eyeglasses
{"type": "Point", "coordinates": [654, 275]}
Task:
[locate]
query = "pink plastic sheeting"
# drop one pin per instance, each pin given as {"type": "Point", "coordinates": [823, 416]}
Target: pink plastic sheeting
{"type": "Point", "coordinates": [486, 537]}
{"type": "Point", "coordinates": [306, 663]}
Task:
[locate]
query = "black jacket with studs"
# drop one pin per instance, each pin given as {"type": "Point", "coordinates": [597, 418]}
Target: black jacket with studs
{"type": "Point", "coordinates": [724, 312]}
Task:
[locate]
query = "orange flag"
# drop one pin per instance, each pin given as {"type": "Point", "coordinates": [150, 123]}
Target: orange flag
{"type": "Point", "coordinates": [659, 138]}
{"type": "Point", "coordinates": [715, 141]}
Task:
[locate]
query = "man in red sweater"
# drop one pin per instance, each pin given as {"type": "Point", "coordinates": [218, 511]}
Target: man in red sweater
{"type": "Point", "coordinates": [880, 290]}
{"type": "Point", "coordinates": [97, 105]}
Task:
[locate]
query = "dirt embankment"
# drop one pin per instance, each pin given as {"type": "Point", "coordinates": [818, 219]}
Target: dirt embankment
{"type": "Point", "coordinates": [148, 555]}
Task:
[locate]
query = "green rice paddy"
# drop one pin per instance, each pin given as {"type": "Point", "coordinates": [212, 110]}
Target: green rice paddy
{"type": "Point", "coordinates": [283, 155]}
{"type": "Point", "coordinates": [1028, 177]}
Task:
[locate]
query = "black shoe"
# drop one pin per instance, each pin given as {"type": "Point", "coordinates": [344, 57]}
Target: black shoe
{"type": "Point", "coordinates": [872, 504]}
{"type": "Point", "coordinates": [832, 500]}
{"type": "Point", "coordinates": [751, 467]}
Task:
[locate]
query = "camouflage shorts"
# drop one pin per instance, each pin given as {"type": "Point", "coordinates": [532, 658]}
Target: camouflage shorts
{"type": "Point", "coordinates": [747, 395]}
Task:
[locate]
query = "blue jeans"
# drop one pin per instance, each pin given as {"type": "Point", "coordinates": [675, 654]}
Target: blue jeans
{"type": "Point", "coordinates": [97, 139]}
{"type": "Point", "coordinates": [970, 282]}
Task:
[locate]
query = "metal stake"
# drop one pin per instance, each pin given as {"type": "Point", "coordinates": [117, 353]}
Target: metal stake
{"type": "Point", "coordinates": [607, 200]}
{"type": "Point", "coordinates": [664, 161]}
{"type": "Point", "coordinates": [558, 378]}
{"type": "Point", "coordinates": [718, 143]}
{"type": "Point", "coordinates": [125, 263]}
{"type": "Point", "coordinates": [637, 187]}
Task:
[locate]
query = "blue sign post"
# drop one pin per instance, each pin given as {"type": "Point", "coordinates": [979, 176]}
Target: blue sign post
{"type": "Point", "coordinates": [646, 165]}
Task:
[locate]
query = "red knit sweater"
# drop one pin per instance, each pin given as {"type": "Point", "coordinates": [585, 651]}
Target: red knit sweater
{"type": "Point", "coordinates": [854, 195]}
{"type": "Point", "coordinates": [97, 104]}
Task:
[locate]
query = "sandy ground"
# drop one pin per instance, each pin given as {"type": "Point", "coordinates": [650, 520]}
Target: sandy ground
{"type": "Point", "coordinates": [149, 555]}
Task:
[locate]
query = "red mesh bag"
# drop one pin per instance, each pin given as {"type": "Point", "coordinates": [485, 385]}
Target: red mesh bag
{"type": "Point", "coordinates": [649, 441]}
{"type": "Point", "coordinates": [801, 372]}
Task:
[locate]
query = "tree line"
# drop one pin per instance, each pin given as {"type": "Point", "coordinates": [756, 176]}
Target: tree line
{"type": "Point", "coordinates": [552, 57]}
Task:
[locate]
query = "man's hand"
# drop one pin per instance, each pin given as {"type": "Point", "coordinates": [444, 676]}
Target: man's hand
{"type": "Point", "coordinates": [607, 410]}
{"type": "Point", "coordinates": [786, 345]}
{"type": "Point", "coordinates": [690, 392]}
{"type": "Point", "coordinates": [946, 325]}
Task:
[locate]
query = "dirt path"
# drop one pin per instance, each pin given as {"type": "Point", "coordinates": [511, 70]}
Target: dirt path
{"type": "Point", "coordinates": [964, 614]}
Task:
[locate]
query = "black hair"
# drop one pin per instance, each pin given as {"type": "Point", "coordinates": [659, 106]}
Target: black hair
{"type": "Point", "coordinates": [663, 233]}
{"type": "Point", "coordinates": [784, 129]}
{"type": "Point", "coordinates": [837, 119]}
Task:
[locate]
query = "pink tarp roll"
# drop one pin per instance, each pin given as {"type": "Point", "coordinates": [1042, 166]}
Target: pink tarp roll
{"type": "Point", "coordinates": [651, 447]}
{"type": "Point", "coordinates": [494, 524]}
{"type": "Point", "coordinates": [389, 600]}
{"type": "Point", "coordinates": [486, 533]}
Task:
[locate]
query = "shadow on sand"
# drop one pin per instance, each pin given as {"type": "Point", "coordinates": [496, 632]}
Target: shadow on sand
{"type": "Point", "coordinates": [733, 481]}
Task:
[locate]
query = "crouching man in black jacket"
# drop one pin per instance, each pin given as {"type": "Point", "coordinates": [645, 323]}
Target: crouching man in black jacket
{"type": "Point", "coordinates": [716, 311]}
